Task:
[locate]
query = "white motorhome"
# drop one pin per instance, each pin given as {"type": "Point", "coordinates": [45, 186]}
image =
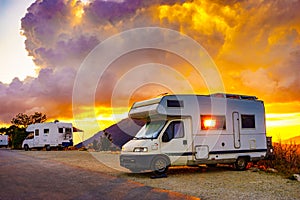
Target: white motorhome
{"type": "Point", "coordinates": [4, 141]}
{"type": "Point", "coordinates": [48, 135]}
{"type": "Point", "coordinates": [196, 129]}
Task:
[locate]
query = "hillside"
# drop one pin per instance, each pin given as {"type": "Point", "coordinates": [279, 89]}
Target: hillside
{"type": "Point", "coordinates": [120, 133]}
{"type": "Point", "coordinates": [293, 140]}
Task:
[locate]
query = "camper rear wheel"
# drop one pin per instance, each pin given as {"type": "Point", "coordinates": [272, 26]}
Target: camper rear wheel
{"type": "Point", "coordinates": [26, 147]}
{"type": "Point", "coordinates": [48, 148]}
{"type": "Point", "coordinates": [160, 165]}
{"type": "Point", "coordinates": [241, 163]}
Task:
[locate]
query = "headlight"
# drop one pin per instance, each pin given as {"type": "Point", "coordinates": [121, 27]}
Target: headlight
{"type": "Point", "coordinates": [140, 149]}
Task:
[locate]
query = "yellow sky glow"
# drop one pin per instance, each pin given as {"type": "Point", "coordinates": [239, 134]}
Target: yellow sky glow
{"type": "Point", "coordinates": [254, 44]}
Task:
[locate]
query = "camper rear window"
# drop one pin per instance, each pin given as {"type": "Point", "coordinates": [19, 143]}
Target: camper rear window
{"type": "Point", "coordinates": [175, 103]}
{"type": "Point", "coordinates": [248, 121]}
{"type": "Point", "coordinates": [213, 122]}
{"type": "Point", "coordinates": [46, 130]}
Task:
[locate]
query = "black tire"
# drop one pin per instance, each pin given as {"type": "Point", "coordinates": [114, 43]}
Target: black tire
{"type": "Point", "coordinates": [160, 165]}
{"type": "Point", "coordinates": [48, 148]}
{"type": "Point", "coordinates": [26, 147]}
{"type": "Point", "coordinates": [241, 163]}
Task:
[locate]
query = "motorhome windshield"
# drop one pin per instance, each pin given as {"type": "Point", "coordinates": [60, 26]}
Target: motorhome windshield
{"type": "Point", "coordinates": [150, 130]}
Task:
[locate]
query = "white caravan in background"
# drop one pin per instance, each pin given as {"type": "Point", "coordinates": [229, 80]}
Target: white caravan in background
{"type": "Point", "coordinates": [48, 135]}
{"type": "Point", "coordinates": [197, 129]}
{"type": "Point", "coordinates": [4, 141]}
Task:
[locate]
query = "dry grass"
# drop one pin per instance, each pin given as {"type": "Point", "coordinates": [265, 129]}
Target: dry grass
{"type": "Point", "coordinates": [287, 159]}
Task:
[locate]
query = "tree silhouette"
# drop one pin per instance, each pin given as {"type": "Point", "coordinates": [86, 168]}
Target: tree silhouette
{"type": "Point", "coordinates": [105, 141]}
{"type": "Point", "coordinates": [22, 120]}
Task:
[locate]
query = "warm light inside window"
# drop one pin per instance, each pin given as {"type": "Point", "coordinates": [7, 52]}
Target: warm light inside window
{"type": "Point", "coordinates": [213, 122]}
{"type": "Point", "coordinates": [209, 123]}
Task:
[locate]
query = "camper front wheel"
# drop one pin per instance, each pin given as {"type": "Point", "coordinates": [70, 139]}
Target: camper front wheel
{"type": "Point", "coordinates": [241, 163]}
{"type": "Point", "coordinates": [48, 148]}
{"type": "Point", "coordinates": [26, 147]}
{"type": "Point", "coordinates": [160, 165]}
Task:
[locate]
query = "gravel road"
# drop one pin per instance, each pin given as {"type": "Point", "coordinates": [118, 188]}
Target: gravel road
{"type": "Point", "coordinates": [34, 176]}
{"type": "Point", "coordinates": [205, 183]}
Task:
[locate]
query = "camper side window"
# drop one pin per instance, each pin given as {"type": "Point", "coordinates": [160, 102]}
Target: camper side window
{"type": "Point", "coordinates": [248, 121]}
{"type": "Point", "coordinates": [175, 103]}
{"type": "Point", "coordinates": [60, 130]}
{"type": "Point", "coordinates": [68, 130]}
{"type": "Point", "coordinates": [213, 122]}
{"type": "Point", "coordinates": [36, 132]}
{"type": "Point", "coordinates": [174, 130]}
{"type": "Point", "coordinates": [46, 131]}
{"type": "Point", "coordinates": [178, 130]}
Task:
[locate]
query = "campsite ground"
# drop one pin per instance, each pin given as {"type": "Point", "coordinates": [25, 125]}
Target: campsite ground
{"type": "Point", "coordinates": [206, 183]}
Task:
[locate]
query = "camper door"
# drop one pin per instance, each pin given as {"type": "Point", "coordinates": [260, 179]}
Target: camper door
{"type": "Point", "coordinates": [174, 141]}
{"type": "Point", "coordinates": [36, 139]}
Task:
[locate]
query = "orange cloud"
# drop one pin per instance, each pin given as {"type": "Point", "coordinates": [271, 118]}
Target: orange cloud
{"type": "Point", "coordinates": [255, 44]}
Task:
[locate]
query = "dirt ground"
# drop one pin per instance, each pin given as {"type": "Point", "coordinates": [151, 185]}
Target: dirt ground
{"type": "Point", "coordinates": [206, 183]}
{"type": "Point", "coordinates": [33, 176]}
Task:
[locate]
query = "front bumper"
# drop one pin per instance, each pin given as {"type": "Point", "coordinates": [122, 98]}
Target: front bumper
{"type": "Point", "coordinates": [136, 162]}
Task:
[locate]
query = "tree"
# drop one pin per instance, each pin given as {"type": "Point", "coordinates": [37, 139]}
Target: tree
{"type": "Point", "coordinates": [105, 142]}
{"type": "Point", "coordinates": [17, 132]}
{"type": "Point", "coordinates": [37, 117]}
{"type": "Point", "coordinates": [96, 145]}
{"type": "Point", "coordinates": [22, 120]}
{"type": "Point", "coordinates": [17, 135]}
{"type": "Point", "coordinates": [3, 130]}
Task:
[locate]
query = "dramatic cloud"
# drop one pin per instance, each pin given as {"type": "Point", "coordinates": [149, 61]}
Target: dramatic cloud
{"type": "Point", "coordinates": [255, 45]}
{"type": "Point", "coordinates": [50, 92]}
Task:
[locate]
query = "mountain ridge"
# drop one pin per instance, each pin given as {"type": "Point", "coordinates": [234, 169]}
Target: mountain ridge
{"type": "Point", "coordinates": [293, 140]}
{"type": "Point", "coordinates": [120, 133]}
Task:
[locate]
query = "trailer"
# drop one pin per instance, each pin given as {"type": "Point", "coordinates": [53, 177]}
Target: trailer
{"type": "Point", "coordinates": [196, 129]}
{"type": "Point", "coordinates": [4, 141]}
{"type": "Point", "coordinates": [48, 135]}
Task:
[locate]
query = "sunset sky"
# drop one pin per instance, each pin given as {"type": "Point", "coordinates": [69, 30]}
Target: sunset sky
{"type": "Point", "coordinates": [255, 46]}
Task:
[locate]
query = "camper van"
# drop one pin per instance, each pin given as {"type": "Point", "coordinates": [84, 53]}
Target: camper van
{"type": "Point", "coordinates": [196, 129]}
{"type": "Point", "coordinates": [48, 135]}
{"type": "Point", "coordinates": [4, 141]}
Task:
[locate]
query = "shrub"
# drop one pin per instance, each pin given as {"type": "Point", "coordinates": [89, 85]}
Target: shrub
{"type": "Point", "coordinates": [17, 136]}
{"type": "Point", "coordinates": [287, 159]}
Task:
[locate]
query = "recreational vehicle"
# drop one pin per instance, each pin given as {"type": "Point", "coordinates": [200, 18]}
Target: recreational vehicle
{"type": "Point", "coordinates": [48, 135]}
{"type": "Point", "coordinates": [196, 129]}
{"type": "Point", "coordinates": [4, 141]}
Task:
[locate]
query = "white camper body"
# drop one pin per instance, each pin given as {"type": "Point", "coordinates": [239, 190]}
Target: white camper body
{"type": "Point", "coordinates": [50, 134]}
{"type": "Point", "coordinates": [4, 141]}
{"type": "Point", "coordinates": [196, 129]}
